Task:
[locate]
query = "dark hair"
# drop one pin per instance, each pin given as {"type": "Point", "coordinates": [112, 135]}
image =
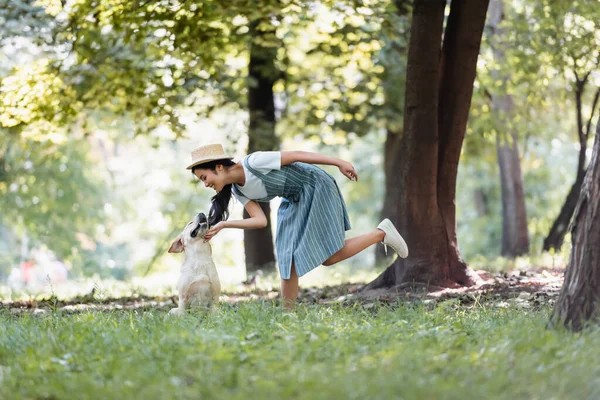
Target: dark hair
{"type": "Point", "coordinates": [220, 202]}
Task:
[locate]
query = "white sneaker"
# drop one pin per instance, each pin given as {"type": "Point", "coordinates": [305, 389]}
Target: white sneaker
{"type": "Point", "coordinates": [392, 238]}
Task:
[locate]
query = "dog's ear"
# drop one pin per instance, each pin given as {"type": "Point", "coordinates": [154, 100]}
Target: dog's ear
{"type": "Point", "coordinates": [177, 245]}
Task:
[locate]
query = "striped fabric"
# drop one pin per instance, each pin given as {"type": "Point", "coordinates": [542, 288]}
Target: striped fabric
{"type": "Point", "coordinates": [311, 219]}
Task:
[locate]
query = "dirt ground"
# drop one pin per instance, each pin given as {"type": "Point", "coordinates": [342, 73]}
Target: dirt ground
{"type": "Point", "coordinates": [529, 288]}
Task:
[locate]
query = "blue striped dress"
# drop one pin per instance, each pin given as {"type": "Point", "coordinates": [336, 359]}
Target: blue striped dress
{"type": "Point", "coordinates": [312, 216]}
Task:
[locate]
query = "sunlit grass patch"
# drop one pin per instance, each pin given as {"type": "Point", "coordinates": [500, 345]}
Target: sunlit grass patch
{"type": "Point", "coordinates": [254, 350]}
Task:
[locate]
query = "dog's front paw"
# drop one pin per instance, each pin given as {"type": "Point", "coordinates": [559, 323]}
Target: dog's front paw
{"type": "Point", "coordinates": [176, 312]}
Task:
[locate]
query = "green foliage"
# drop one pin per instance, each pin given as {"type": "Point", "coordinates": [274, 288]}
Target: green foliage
{"type": "Point", "coordinates": [35, 94]}
{"type": "Point", "coordinates": [338, 70]}
{"type": "Point", "coordinates": [536, 55]}
{"type": "Point", "coordinates": [253, 350]}
{"type": "Point", "coordinates": [478, 208]}
{"type": "Point", "coordinates": [121, 68]}
{"type": "Point", "coordinates": [24, 19]}
{"type": "Point", "coordinates": [128, 67]}
{"type": "Point", "coordinates": [563, 34]}
{"type": "Point", "coordinates": [47, 191]}
{"type": "Point", "coordinates": [140, 59]}
{"type": "Point", "coordinates": [150, 60]}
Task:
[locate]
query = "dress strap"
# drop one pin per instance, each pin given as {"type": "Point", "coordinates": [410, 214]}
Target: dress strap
{"type": "Point", "coordinates": [254, 171]}
{"type": "Point", "coordinates": [236, 191]}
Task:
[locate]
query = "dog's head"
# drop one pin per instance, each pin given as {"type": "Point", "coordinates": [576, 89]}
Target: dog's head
{"type": "Point", "coordinates": [193, 234]}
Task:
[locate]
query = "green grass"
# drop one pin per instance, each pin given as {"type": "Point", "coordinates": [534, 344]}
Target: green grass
{"type": "Point", "coordinates": [254, 351]}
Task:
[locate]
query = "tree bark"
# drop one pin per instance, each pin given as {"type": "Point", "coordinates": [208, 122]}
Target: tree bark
{"type": "Point", "coordinates": [557, 233]}
{"type": "Point", "coordinates": [515, 238]}
{"type": "Point", "coordinates": [559, 228]}
{"type": "Point", "coordinates": [392, 192]}
{"type": "Point", "coordinates": [394, 88]}
{"type": "Point", "coordinates": [262, 75]}
{"type": "Point", "coordinates": [481, 203]}
{"type": "Point", "coordinates": [439, 86]}
{"type": "Point", "coordinates": [579, 299]}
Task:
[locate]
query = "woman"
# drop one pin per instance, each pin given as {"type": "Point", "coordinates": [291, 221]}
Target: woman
{"type": "Point", "coordinates": [311, 219]}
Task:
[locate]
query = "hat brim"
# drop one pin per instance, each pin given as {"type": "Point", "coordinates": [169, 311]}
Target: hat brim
{"type": "Point", "coordinates": [207, 160]}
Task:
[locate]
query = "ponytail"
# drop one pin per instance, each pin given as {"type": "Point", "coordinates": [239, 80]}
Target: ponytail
{"type": "Point", "coordinates": [220, 202]}
{"type": "Point", "coordinates": [219, 210]}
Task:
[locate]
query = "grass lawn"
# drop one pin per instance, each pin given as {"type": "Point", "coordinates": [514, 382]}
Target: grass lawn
{"type": "Point", "coordinates": [254, 351]}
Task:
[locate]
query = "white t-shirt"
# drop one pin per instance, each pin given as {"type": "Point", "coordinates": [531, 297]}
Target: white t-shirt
{"type": "Point", "coordinates": [263, 162]}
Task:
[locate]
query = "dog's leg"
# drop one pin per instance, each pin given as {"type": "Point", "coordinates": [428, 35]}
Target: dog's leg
{"type": "Point", "coordinates": [178, 310]}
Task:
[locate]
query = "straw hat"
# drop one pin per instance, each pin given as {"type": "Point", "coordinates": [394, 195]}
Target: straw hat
{"type": "Point", "coordinates": [204, 154]}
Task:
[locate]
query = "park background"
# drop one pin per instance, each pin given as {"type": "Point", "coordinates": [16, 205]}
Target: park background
{"type": "Point", "coordinates": [96, 137]}
{"type": "Point", "coordinates": [102, 102]}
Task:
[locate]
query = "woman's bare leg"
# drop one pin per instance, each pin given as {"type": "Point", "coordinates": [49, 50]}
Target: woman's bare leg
{"type": "Point", "coordinates": [289, 289]}
{"type": "Point", "coordinates": [355, 245]}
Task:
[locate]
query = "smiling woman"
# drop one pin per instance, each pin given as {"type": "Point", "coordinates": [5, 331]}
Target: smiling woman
{"type": "Point", "coordinates": [207, 162]}
{"type": "Point", "coordinates": [312, 218]}
{"type": "Point", "coordinates": [212, 174]}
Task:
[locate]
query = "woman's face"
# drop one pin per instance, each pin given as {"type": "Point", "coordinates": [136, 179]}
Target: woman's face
{"type": "Point", "coordinates": [212, 179]}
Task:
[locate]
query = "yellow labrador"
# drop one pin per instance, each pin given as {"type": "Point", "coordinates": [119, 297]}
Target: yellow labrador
{"type": "Point", "coordinates": [199, 284]}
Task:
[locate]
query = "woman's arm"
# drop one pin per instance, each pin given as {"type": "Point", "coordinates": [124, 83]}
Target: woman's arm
{"type": "Point", "coordinates": [288, 157]}
{"type": "Point", "coordinates": [257, 220]}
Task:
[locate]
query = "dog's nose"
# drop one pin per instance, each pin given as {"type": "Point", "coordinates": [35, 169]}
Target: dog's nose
{"type": "Point", "coordinates": [201, 217]}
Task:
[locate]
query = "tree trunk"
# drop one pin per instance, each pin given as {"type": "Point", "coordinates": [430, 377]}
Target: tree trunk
{"type": "Point", "coordinates": [393, 59]}
{"type": "Point", "coordinates": [557, 233]}
{"type": "Point", "coordinates": [392, 192]}
{"type": "Point", "coordinates": [515, 238]}
{"type": "Point", "coordinates": [439, 86]}
{"type": "Point", "coordinates": [579, 297]}
{"type": "Point", "coordinates": [262, 75]}
{"type": "Point", "coordinates": [481, 203]}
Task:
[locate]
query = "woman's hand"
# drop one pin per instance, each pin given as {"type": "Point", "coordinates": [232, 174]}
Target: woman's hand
{"type": "Point", "coordinates": [213, 231]}
{"type": "Point", "coordinates": [347, 169]}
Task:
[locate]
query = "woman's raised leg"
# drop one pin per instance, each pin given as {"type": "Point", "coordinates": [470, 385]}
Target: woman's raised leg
{"type": "Point", "coordinates": [355, 245]}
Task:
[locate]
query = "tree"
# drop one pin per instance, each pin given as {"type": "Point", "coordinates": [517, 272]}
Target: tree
{"type": "Point", "coordinates": [47, 191]}
{"type": "Point", "coordinates": [147, 61]}
{"type": "Point", "coordinates": [262, 75]}
{"type": "Point", "coordinates": [515, 239]}
{"type": "Point", "coordinates": [439, 86]}
{"type": "Point", "coordinates": [557, 233]}
{"type": "Point", "coordinates": [565, 33]}
{"type": "Point", "coordinates": [333, 89]}
{"type": "Point", "coordinates": [393, 59]}
{"type": "Point", "coordinates": [579, 297]}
